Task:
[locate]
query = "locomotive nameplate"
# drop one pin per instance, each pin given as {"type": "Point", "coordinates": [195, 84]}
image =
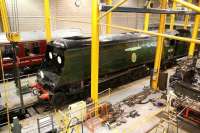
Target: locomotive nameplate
{"type": "Point", "coordinates": [134, 57]}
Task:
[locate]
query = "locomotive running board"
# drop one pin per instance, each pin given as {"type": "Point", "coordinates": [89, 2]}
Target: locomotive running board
{"type": "Point", "coordinates": [121, 74]}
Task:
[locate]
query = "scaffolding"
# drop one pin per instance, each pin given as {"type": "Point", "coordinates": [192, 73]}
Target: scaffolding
{"type": "Point", "coordinates": [161, 35]}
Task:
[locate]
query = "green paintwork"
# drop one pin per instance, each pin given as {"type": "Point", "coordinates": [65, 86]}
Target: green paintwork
{"type": "Point", "coordinates": [113, 58]}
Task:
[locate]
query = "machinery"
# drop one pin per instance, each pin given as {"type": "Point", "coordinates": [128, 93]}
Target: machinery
{"type": "Point", "coordinates": [65, 72]}
{"type": "Point", "coordinates": [185, 85]}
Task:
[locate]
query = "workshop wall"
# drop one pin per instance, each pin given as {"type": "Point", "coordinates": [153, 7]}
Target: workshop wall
{"type": "Point", "coordinates": [31, 15]}
{"type": "Point", "coordinates": [67, 9]}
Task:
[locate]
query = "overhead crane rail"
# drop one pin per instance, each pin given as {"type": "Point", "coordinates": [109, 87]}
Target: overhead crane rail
{"type": "Point", "coordinates": [105, 8]}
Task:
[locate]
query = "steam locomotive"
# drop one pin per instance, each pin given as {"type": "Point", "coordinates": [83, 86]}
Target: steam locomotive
{"type": "Point", "coordinates": [65, 72]}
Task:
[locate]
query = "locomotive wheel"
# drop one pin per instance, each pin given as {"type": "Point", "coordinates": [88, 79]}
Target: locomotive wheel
{"type": "Point", "coordinates": [58, 99]}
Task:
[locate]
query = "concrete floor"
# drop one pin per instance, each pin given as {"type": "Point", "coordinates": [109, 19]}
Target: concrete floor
{"type": "Point", "coordinates": [13, 97]}
{"type": "Point", "coordinates": [148, 121]}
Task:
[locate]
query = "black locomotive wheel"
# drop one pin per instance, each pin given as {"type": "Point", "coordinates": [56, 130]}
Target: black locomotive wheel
{"type": "Point", "coordinates": [58, 99]}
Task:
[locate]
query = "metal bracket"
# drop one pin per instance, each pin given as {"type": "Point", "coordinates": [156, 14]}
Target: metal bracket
{"type": "Point", "coordinates": [13, 36]}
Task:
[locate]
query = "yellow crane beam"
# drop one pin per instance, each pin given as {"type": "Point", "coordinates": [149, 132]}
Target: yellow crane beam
{"type": "Point", "coordinates": [47, 20]}
{"type": "Point", "coordinates": [4, 16]}
{"type": "Point", "coordinates": [159, 48]}
{"type": "Point", "coordinates": [108, 18]}
{"type": "Point", "coordinates": [172, 17]}
{"type": "Point", "coordinates": [95, 52]}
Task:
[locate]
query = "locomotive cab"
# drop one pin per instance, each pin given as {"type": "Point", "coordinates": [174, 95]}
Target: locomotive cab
{"type": "Point", "coordinates": [52, 67]}
{"type": "Point", "coordinates": [49, 84]}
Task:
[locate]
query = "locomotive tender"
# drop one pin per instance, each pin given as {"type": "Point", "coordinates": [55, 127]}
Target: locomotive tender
{"type": "Point", "coordinates": [65, 72]}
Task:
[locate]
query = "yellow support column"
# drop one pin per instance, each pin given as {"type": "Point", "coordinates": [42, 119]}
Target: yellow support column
{"type": "Point", "coordinates": [194, 35]}
{"type": "Point", "coordinates": [146, 21]}
{"type": "Point", "coordinates": [47, 20]}
{"type": "Point", "coordinates": [95, 52]}
{"type": "Point", "coordinates": [159, 48]}
{"type": "Point", "coordinates": [4, 15]}
{"type": "Point", "coordinates": [186, 22]}
{"type": "Point", "coordinates": [146, 17]}
{"type": "Point", "coordinates": [187, 18]}
{"type": "Point", "coordinates": [108, 18]}
{"type": "Point", "coordinates": [172, 17]}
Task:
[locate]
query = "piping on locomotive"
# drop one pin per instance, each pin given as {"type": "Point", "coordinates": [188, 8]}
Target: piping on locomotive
{"type": "Point", "coordinates": [65, 72]}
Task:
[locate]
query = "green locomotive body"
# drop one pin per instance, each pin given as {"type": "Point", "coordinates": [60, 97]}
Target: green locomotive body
{"type": "Point", "coordinates": [66, 70]}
